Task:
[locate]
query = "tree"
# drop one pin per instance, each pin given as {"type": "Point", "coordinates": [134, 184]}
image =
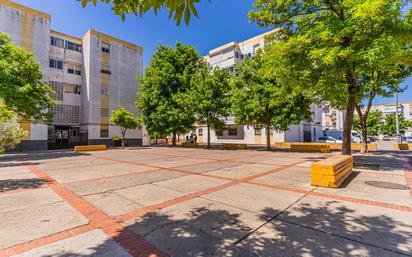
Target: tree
{"type": "Point", "coordinates": [382, 77]}
{"type": "Point", "coordinates": [260, 100]}
{"type": "Point", "coordinates": [178, 9]}
{"type": "Point", "coordinates": [389, 127]}
{"type": "Point", "coordinates": [327, 45]}
{"type": "Point", "coordinates": [374, 124]}
{"type": "Point", "coordinates": [10, 133]}
{"type": "Point", "coordinates": [163, 96]}
{"type": "Point", "coordinates": [21, 87]}
{"type": "Point", "coordinates": [210, 96]}
{"type": "Point", "coordinates": [125, 120]}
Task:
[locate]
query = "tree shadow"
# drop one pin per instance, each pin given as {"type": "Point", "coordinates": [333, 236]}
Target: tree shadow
{"type": "Point", "coordinates": [331, 229]}
{"type": "Point", "coordinates": [384, 163]}
{"type": "Point", "coordinates": [15, 184]}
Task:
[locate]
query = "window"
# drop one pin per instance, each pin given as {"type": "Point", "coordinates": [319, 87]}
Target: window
{"type": "Point", "coordinates": [75, 132]}
{"type": "Point", "coordinates": [105, 48]}
{"type": "Point", "coordinates": [232, 69]}
{"type": "Point", "coordinates": [258, 132]}
{"type": "Point", "coordinates": [105, 68]}
{"type": "Point", "coordinates": [219, 132]}
{"type": "Point", "coordinates": [249, 55]}
{"type": "Point", "coordinates": [57, 42]}
{"type": "Point", "coordinates": [105, 91]}
{"type": "Point", "coordinates": [236, 55]}
{"type": "Point", "coordinates": [74, 69]}
{"type": "Point", "coordinates": [232, 132]}
{"type": "Point", "coordinates": [74, 46]}
{"type": "Point", "coordinates": [72, 89]}
{"type": "Point", "coordinates": [200, 132]}
{"type": "Point", "coordinates": [56, 64]}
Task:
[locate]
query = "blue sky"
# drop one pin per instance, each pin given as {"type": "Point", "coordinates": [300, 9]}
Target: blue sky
{"type": "Point", "coordinates": [220, 22]}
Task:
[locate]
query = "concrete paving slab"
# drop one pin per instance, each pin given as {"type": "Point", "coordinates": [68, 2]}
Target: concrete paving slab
{"type": "Point", "coordinates": [112, 203]}
{"type": "Point", "coordinates": [27, 199]}
{"type": "Point", "coordinates": [23, 225]}
{"type": "Point", "coordinates": [216, 219]}
{"type": "Point", "coordinates": [69, 175]}
{"type": "Point", "coordinates": [93, 244]}
{"type": "Point", "coordinates": [181, 240]}
{"type": "Point", "coordinates": [381, 227]}
{"type": "Point", "coordinates": [110, 184]}
{"type": "Point", "coordinates": [212, 166]}
{"type": "Point", "coordinates": [279, 238]}
{"type": "Point", "coordinates": [172, 161]}
{"type": "Point", "coordinates": [296, 177]}
{"type": "Point", "coordinates": [255, 199]}
{"type": "Point", "coordinates": [149, 194]}
{"type": "Point", "coordinates": [359, 187]}
{"type": "Point", "coordinates": [190, 184]}
{"type": "Point", "coordinates": [242, 171]}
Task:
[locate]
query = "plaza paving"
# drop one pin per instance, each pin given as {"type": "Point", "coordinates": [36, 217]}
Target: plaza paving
{"type": "Point", "coordinates": [179, 202]}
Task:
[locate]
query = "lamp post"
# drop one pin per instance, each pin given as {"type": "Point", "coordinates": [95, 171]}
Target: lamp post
{"type": "Point", "coordinates": [397, 120]}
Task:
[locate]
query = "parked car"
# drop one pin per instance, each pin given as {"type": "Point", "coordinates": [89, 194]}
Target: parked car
{"type": "Point", "coordinates": [329, 140]}
{"type": "Point", "coordinates": [407, 140]}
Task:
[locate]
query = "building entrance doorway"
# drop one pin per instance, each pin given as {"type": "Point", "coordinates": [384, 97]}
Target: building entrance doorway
{"type": "Point", "coordinates": [62, 137]}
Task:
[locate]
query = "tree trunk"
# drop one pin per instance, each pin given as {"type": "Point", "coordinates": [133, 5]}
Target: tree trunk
{"type": "Point", "coordinates": [364, 134]}
{"type": "Point", "coordinates": [174, 139]}
{"type": "Point", "coordinates": [268, 137]}
{"type": "Point", "coordinates": [208, 136]}
{"type": "Point", "coordinates": [123, 138]}
{"type": "Point", "coordinates": [350, 109]}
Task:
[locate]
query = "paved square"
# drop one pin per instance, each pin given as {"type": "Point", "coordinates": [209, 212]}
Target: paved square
{"type": "Point", "coordinates": [163, 201]}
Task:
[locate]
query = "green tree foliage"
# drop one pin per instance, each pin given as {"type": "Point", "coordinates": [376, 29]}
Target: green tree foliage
{"type": "Point", "coordinates": [21, 86]}
{"type": "Point", "coordinates": [163, 96]}
{"type": "Point", "coordinates": [389, 128]}
{"type": "Point", "coordinates": [210, 96]}
{"type": "Point", "coordinates": [328, 45]}
{"type": "Point", "coordinates": [10, 133]}
{"type": "Point", "coordinates": [259, 100]}
{"type": "Point", "coordinates": [125, 120]}
{"type": "Point", "coordinates": [374, 123]}
{"type": "Point", "coordinates": [178, 9]}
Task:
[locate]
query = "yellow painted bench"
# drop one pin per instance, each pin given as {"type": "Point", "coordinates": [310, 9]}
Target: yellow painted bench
{"type": "Point", "coordinates": [355, 146]}
{"type": "Point", "coordinates": [81, 148]}
{"type": "Point", "coordinates": [234, 146]}
{"type": "Point", "coordinates": [310, 147]}
{"type": "Point", "coordinates": [282, 144]}
{"type": "Point", "coordinates": [190, 145]}
{"type": "Point", "coordinates": [332, 171]}
{"type": "Point", "coordinates": [402, 147]}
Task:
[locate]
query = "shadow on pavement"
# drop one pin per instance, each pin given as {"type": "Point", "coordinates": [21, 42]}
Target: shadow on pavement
{"type": "Point", "coordinates": [15, 184]}
{"type": "Point", "coordinates": [330, 230]}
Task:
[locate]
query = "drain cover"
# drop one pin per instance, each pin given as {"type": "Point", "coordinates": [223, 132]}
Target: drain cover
{"type": "Point", "coordinates": [387, 185]}
{"type": "Point", "coordinates": [366, 166]}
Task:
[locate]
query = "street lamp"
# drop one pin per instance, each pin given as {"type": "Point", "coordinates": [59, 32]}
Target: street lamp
{"type": "Point", "coordinates": [397, 120]}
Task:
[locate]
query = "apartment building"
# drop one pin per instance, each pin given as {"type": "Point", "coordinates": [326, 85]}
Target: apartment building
{"type": "Point", "coordinates": [92, 76]}
{"type": "Point", "coordinates": [332, 118]}
{"type": "Point", "coordinates": [227, 57]}
{"type": "Point", "coordinates": [404, 109]}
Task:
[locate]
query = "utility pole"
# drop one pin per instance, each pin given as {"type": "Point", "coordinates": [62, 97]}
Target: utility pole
{"type": "Point", "coordinates": [397, 120]}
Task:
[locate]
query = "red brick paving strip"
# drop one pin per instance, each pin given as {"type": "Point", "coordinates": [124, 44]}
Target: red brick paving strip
{"type": "Point", "coordinates": [408, 173]}
{"type": "Point", "coordinates": [131, 242]}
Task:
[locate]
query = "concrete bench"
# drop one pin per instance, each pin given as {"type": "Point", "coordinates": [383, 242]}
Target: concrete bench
{"type": "Point", "coordinates": [82, 148]}
{"type": "Point", "coordinates": [234, 146]}
{"type": "Point", "coordinates": [310, 147]}
{"type": "Point", "coordinates": [402, 147]}
{"type": "Point", "coordinates": [190, 145]}
{"type": "Point", "coordinates": [355, 146]}
{"type": "Point", "coordinates": [332, 171]}
{"type": "Point", "coordinates": [283, 144]}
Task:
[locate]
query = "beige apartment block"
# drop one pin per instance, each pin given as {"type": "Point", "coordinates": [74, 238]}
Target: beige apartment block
{"type": "Point", "coordinates": [228, 56]}
{"type": "Point", "coordinates": [92, 76]}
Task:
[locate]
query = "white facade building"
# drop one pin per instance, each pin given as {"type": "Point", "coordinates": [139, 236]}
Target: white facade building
{"type": "Point", "coordinates": [404, 109]}
{"type": "Point", "coordinates": [92, 76]}
{"type": "Point", "coordinates": [227, 57]}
